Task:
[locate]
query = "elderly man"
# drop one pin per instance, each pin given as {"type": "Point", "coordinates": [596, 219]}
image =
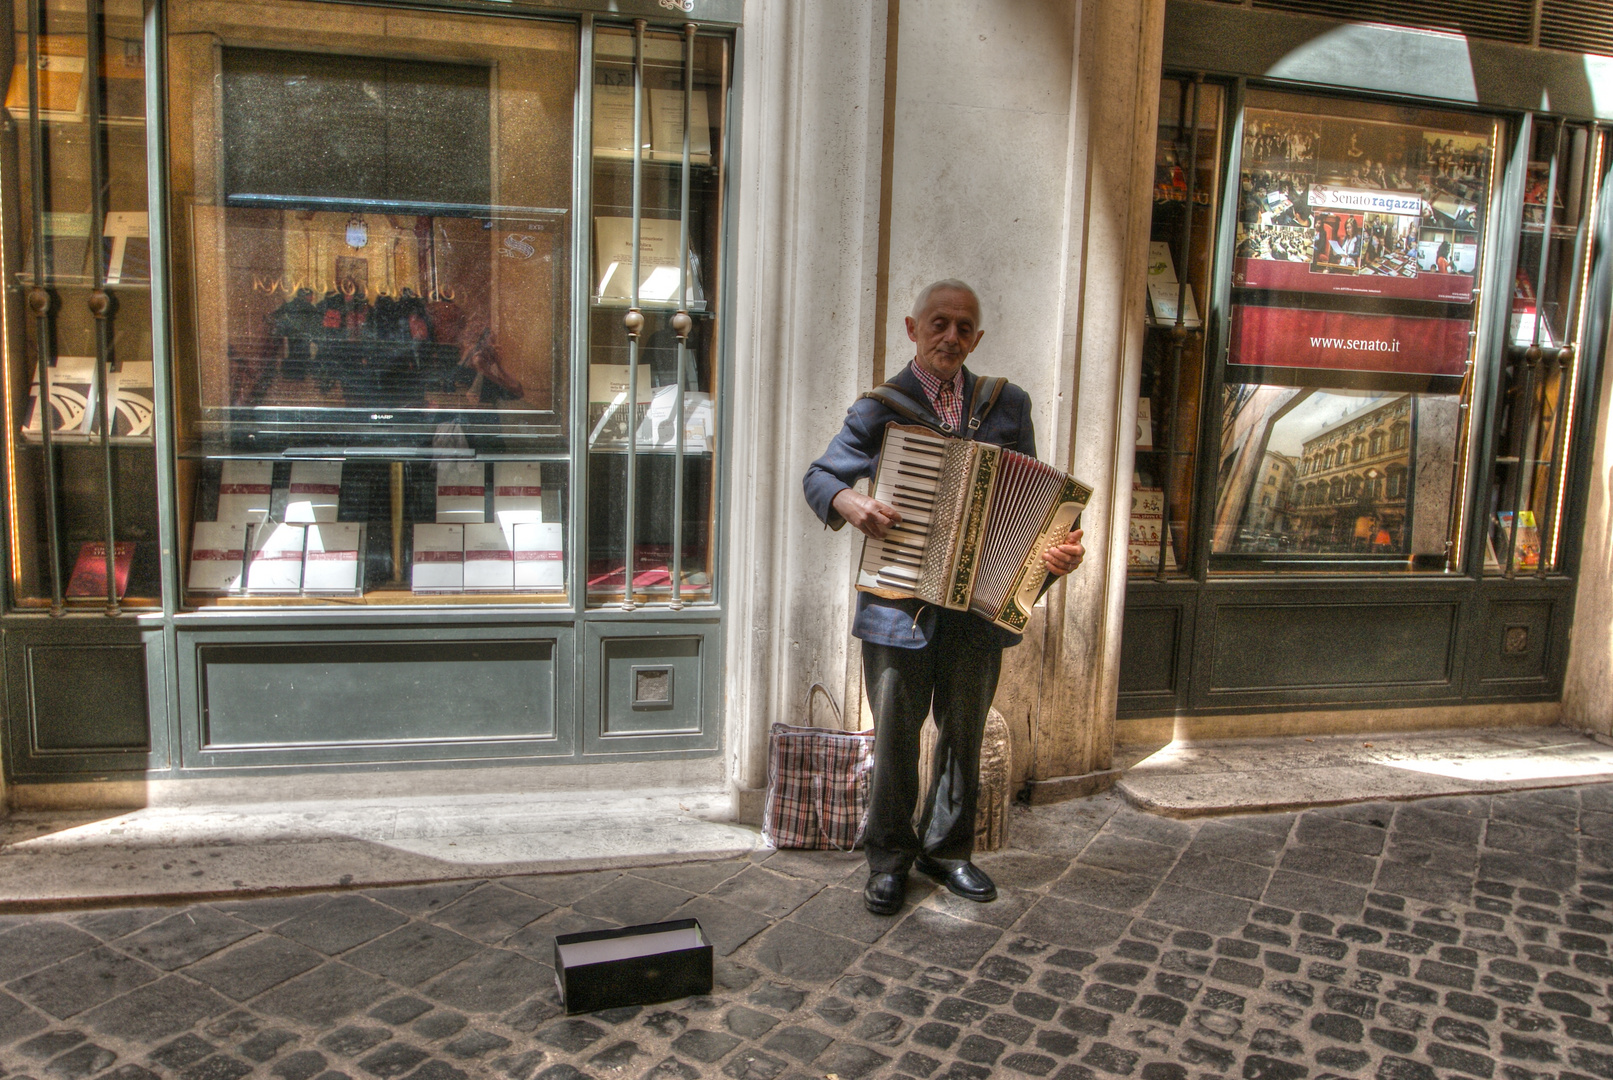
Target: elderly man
{"type": "Point", "coordinates": [917, 657]}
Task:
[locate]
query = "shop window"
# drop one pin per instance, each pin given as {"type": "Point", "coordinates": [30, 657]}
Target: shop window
{"type": "Point", "coordinates": [376, 333]}
{"type": "Point", "coordinates": [79, 404]}
{"type": "Point", "coordinates": [1187, 150]}
{"type": "Point", "coordinates": [1354, 288]}
{"type": "Point", "coordinates": [1542, 368]}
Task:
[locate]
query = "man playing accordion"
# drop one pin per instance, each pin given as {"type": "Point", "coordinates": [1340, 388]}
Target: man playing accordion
{"type": "Point", "coordinates": [918, 657]}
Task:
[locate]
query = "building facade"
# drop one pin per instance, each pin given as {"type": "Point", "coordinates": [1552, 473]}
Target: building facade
{"type": "Point", "coordinates": [426, 388]}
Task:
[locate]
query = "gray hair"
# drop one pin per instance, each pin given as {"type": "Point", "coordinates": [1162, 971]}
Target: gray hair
{"type": "Point", "coordinates": [949, 285]}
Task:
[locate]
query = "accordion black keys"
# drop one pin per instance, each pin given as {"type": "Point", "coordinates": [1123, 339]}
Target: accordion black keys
{"type": "Point", "coordinates": [975, 521]}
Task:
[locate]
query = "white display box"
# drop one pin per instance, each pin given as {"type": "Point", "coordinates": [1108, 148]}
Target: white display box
{"type": "Point", "coordinates": [217, 556]}
{"type": "Point", "coordinates": [334, 560]}
{"type": "Point", "coordinates": [315, 492]}
{"type": "Point", "coordinates": [244, 491]}
{"type": "Point", "coordinates": [517, 492]}
{"type": "Point", "coordinates": [540, 557]}
{"type": "Point", "coordinates": [439, 559]}
{"type": "Point", "coordinates": [461, 492]}
{"type": "Point", "coordinates": [489, 560]}
{"type": "Point", "coordinates": [276, 565]}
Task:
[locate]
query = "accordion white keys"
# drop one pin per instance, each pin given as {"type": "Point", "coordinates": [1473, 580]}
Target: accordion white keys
{"type": "Point", "coordinates": [975, 521]}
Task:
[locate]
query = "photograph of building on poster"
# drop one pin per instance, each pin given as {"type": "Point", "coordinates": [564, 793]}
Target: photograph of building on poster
{"type": "Point", "coordinates": [1322, 472]}
{"type": "Point", "coordinates": [1358, 207]}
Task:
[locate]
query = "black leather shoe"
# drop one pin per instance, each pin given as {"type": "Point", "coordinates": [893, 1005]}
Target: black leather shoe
{"type": "Point", "coordinates": [884, 893]}
{"type": "Point", "coordinates": [967, 881]}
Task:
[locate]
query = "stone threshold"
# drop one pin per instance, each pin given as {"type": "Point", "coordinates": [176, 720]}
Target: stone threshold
{"type": "Point", "coordinates": [58, 858]}
{"type": "Point", "coordinates": [1195, 778]}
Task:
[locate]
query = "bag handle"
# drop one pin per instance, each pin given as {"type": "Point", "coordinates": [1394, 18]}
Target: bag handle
{"type": "Point", "coordinates": [819, 688]}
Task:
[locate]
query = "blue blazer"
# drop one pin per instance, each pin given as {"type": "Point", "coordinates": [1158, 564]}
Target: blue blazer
{"type": "Point", "coordinates": [854, 453]}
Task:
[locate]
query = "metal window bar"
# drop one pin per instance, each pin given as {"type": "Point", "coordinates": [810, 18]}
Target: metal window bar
{"type": "Point", "coordinates": [634, 319]}
{"type": "Point", "coordinates": [40, 303]}
{"type": "Point", "coordinates": [101, 303]}
{"type": "Point", "coordinates": [1179, 332]}
{"type": "Point", "coordinates": [681, 322]}
{"type": "Point", "coordinates": [1532, 358]}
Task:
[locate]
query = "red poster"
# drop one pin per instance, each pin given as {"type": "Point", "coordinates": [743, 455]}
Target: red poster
{"type": "Point", "coordinates": [1348, 341]}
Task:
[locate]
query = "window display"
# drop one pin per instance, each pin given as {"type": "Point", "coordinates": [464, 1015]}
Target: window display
{"type": "Point", "coordinates": [78, 398]}
{"type": "Point", "coordinates": [1541, 376]}
{"type": "Point", "coordinates": [373, 302]}
{"type": "Point", "coordinates": [1182, 238]}
{"type": "Point", "coordinates": [653, 372]}
{"type": "Point", "coordinates": [1360, 233]}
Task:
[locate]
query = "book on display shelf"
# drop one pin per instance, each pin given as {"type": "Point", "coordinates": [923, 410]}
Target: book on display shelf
{"type": "Point", "coordinates": [1161, 265]}
{"type": "Point", "coordinates": [126, 240]}
{"type": "Point", "coordinates": [613, 121]}
{"type": "Point", "coordinates": [66, 249]}
{"type": "Point", "coordinates": [275, 561]}
{"type": "Point", "coordinates": [489, 558]}
{"type": "Point", "coordinates": [1145, 423]}
{"type": "Point", "coordinates": [89, 569]}
{"type": "Point", "coordinates": [217, 557]}
{"type": "Point", "coordinates": [539, 557]}
{"type": "Point", "coordinates": [658, 278]}
{"type": "Point", "coordinates": [72, 399]}
{"type": "Point", "coordinates": [334, 559]}
{"type": "Point", "coordinates": [438, 563]}
{"type": "Point", "coordinates": [134, 403]}
{"type": "Point", "coordinates": [314, 491]}
{"type": "Point", "coordinates": [461, 492]}
{"type": "Point", "coordinates": [245, 491]}
{"type": "Point", "coordinates": [62, 86]}
{"type": "Point", "coordinates": [666, 127]}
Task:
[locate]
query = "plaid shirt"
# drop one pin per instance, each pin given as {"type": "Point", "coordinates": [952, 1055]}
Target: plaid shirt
{"type": "Point", "coordinates": [946, 398]}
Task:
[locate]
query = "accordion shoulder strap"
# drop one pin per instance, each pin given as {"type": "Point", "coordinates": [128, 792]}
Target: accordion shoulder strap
{"type": "Point", "coordinates": [898, 402]}
{"type": "Point", "coordinates": [988, 388]}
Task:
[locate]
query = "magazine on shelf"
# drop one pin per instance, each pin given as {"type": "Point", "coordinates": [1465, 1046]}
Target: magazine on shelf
{"type": "Point", "coordinates": [489, 558]}
{"type": "Point", "coordinates": [314, 492]}
{"type": "Point", "coordinates": [539, 556]}
{"type": "Point", "coordinates": [666, 127]}
{"type": "Point", "coordinates": [244, 491]}
{"type": "Point", "coordinates": [439, 559]}
{"type": "Point", "coordinates": [517, 492]}
{"type": "Point", "coordinates": [334, 562]}
{"type": "Point", "coordinates": [275, 563]}
{"type": "Point", "coordinates": [461, 491]}
{"type": "Point", "coordinates": [89, 569]}
{"type": "Point", "coordinates": [217, 556]}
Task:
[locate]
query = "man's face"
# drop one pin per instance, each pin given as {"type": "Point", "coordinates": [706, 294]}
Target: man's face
{"type": "Point", "coordinates": [945, 332]}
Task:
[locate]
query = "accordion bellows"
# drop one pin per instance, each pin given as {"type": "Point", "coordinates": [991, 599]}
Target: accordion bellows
{"type": "Point", "coordinates": [975, 521]}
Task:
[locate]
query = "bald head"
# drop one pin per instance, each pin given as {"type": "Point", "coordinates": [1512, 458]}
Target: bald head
{"type": "Point", "coordinates": [944, 327]}
{"type": "Point", "coordinates": [947, 285]}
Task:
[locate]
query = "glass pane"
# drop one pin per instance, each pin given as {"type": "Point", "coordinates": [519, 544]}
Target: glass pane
{"type": "Point", "coordinates": [1171, 390]}
{"type": "Point", "coordinates": [1361, 228]}
{"type": "Point", "coordinates": [1540, 375]}
{"type": "Point", "coordinates": [372, 312]}
{"type": "Point", "coordinates": [651, 473]}
{"type": "Point", "coordinates": [94, 489]}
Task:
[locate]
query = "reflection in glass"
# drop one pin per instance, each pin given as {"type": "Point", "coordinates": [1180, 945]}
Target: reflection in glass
{"type": "Point", "coordinates": [1330, 472]}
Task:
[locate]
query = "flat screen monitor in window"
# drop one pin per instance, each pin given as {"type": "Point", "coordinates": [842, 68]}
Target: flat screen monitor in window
{"type": "Point", "coordinates": [319, 128]}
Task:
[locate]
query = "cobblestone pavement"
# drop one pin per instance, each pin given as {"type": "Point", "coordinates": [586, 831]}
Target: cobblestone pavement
{"type": "Point", "coordinates": [1458, 937]}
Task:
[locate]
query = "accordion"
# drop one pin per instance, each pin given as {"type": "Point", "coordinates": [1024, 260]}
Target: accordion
{"type": "Point", "coordinates": [975, 521]}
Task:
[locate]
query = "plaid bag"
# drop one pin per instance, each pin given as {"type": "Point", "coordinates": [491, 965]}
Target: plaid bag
{"type": "Point", "coordinates": [817, 784]}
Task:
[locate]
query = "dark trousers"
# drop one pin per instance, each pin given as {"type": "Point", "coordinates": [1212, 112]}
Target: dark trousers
{"type": "Point", "coordinates": [957, 678]}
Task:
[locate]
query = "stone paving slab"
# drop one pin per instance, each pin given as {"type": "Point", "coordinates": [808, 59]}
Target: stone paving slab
{"type": "Point", "coordinates": [1187, 779]}
{"type": "Point", "coordinates": [1463, 937]}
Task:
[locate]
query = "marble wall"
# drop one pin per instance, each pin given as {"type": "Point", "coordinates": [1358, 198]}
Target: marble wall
{"type": "Point", "coordinates": [1020, 160]}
